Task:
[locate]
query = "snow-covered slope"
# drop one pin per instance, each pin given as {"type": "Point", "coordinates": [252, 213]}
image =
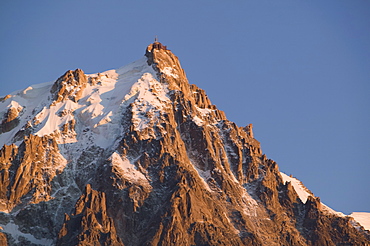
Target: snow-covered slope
{"type": "Point", "coordinates": [363, 218]}
{"type": "Point", "coordinates": [100, 105]}
{"type": "Point", "coordinates": [301, 190]}
{"type": "Point", "coordinates": [303, 193]}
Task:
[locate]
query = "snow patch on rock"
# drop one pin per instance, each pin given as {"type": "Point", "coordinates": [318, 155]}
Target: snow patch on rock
{"type": "Point", "coordinates": [169, 71]}
{"type": "Point", "coordinates": [302, 192]}
{"type": "Point", "coordinates": [151, 99]}
{"type": "Point", "coordinates": [13, 230]}
{"type": "Point", "coordinates": [198, 121]}
{"type": "Point", "coordinates": [127, 169]}
{"type": "Point", "coordinates": [204, 175]}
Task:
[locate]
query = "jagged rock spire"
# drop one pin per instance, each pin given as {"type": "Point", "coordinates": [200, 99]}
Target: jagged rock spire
{"type": "Point", "coordinates": [167, 66]}
{"type": "Point", "coordinates": [69, 86]}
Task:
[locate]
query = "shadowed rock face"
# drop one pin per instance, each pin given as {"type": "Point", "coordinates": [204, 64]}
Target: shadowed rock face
{"type": "Point", "coordinates": [11, 119]}
{"type": "Point", "coordinates": [89, 224]}
{"type": "Point", "coordinates": [175, 171]}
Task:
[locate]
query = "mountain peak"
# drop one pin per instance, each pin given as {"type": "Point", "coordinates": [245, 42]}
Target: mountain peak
{"type": "Point", "coordinates": [69, 86]}
{"type": "Point", "coordinates": [167, 66]}
{"type": "Point", "coordinates": [138, 156]}
{"type": "Point", "coordinates": [156, 45]}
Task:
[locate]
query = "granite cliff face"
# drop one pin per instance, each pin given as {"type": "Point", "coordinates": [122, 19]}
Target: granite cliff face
{"type": "Point", "coordinates": [138, 156]}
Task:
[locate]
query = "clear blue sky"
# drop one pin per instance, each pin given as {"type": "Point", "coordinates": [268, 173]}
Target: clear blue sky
{"type": "Point", "coordinates": [298, 70]}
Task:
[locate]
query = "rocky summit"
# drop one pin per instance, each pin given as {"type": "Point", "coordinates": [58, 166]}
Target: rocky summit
{"type": "Point", "coordinates": [138, 156]}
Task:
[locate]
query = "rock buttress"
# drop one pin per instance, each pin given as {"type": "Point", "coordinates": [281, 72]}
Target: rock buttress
{"type": "Point", "coordinates": [69, 86]}
{"type": "Point", "coordinates": [26, 172]}
{"type": "Point", "coordinates": [89, 224]}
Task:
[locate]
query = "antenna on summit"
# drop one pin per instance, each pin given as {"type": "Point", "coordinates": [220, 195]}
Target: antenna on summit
{"type": "Point", "coordinates": [157, 45]}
